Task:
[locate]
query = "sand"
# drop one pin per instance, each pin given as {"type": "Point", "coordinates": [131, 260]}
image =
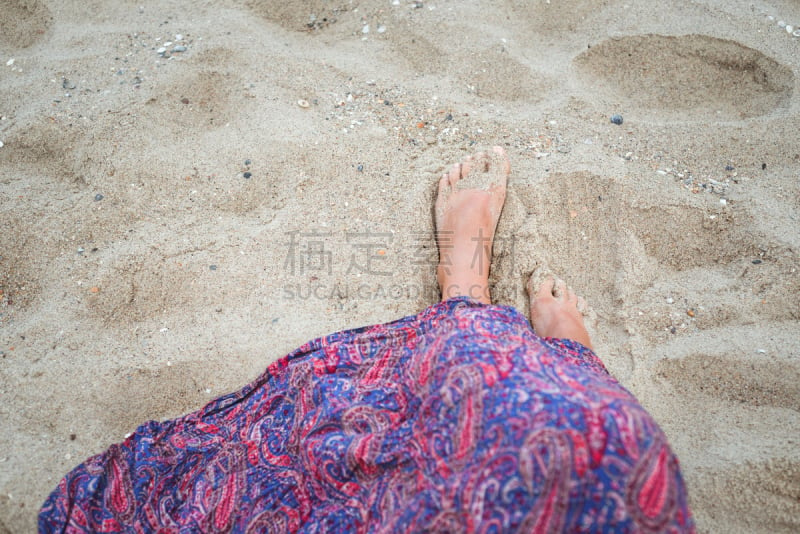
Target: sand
{"type": "Point", "coordinates": [188, 277]}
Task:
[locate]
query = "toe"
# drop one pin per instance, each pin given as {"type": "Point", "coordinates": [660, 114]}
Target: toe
{"type": "Point", "coordinates": [571, 297]}
{"type": "Point", "coordinates": [547, 289]}
{"type": "Point", "coordinates": [455, 174]}
{"type": "Point", "coordinates": [529, 287]}
{"type": "Point", "coordinates": [560, 289]}
{"type": "Point", "coordinates": [444, 185]}
{"type": "Point", "coordinates": [469, 164]}
{"type": "Point", "coordinates": [583, 307]}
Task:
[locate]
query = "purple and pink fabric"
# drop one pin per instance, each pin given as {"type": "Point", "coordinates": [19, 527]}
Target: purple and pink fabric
{"type": "Point", "coordinates": [458, 419]}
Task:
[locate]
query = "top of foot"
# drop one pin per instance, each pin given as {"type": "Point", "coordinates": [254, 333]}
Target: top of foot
{"type": "Point", "coordinates": [556, 311]}
{"type": "Point", "coordinates": [480, 180]}
{"type": "Point", "coordinates": [468, 206]}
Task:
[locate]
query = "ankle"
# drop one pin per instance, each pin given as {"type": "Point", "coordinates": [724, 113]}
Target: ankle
{"type": "Point", "coordinates": [562, 326]}
{"type": "Point", "coordinates": [463, 285]}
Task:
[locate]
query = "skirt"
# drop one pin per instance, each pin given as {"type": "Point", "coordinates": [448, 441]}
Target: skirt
{"type": "Point", "coordinates": [457, 419]}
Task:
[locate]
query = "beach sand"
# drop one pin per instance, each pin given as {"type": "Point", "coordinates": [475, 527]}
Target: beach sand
{"type": "Point", "coordinates": [143, 272]}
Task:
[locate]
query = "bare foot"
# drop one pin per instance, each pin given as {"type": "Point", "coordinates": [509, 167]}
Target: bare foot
{"type": "Point", "coordinates": [468, 205]}
{"type": "Point", "coordinates": [556, 312]}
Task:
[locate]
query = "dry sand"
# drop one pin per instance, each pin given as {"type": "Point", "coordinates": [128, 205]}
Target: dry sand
{"type": "Point", "coordinates": [185, 280]}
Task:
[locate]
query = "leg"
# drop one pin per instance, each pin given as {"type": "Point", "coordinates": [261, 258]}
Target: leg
{"type": "Point", "coordinates": [468, 205]}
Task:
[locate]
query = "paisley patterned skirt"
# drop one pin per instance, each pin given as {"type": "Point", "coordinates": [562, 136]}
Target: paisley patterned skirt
{"type": "Point", "coordinates": [458, 419]}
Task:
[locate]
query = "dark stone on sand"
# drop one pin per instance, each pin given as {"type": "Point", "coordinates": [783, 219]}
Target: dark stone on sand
{"type": "Point", "coordinates": [248, 174]}
{"type": "Point", "coordinates": [247, 162]}
{"type": "Point", "coordinates": [98, 197]}
{"type": "Point", "coordinates": [212, 267]}
{"type": "Point", "coordinates": [756, 262]}
{"type": "Point", "coordinates": [616, 118]}
{"type": "Point", "coordinates": [360, 168]}
{"type": "Point", "coordinates": [728, 167]}
{"type": "Point", "coordinates": [763, 166]}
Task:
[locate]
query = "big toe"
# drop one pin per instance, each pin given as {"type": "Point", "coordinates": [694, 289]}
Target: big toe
{"type": "Point", "coordinates": [547, 289]}
{"type": "Point", "coordinates": [481, 162]}
{"type": "Point", "coordinates": [560, 290]}
{"type": "Point", "coordinates": [472, 162]}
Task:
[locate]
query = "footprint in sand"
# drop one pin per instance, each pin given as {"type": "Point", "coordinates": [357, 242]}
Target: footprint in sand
{"type": "Point", "coordinates": [121, 405]}
{"type": "Point", "coordinates": [689, 77]}
{"type": "Point", "coordinates": [738, 396]}
{"type": "Point", "coordinates": [146, 283]}
{"type": "Point", "coordinates": [494, 74]}
{"type": "Point", "coordinates": [555, 16]}
{"type": "Point", "coordinates": [300, 15]}
{"type": "Point", "coordinates": [199, 101]}
{"type": "Point", "coordinates": [597, 210]}
{"type": "Point", "coordinates": [44, 147]}
{"type": "Point", "coordinates": [420, 53]}
{"type": "Point", "coordinates": [755, 496]}
{"type": "Point", "coordinates": [20, 282]}
{"type": "Point", "coordinates": [23, 23]}
{"type": "Point", "coordinates": [735, 378]}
